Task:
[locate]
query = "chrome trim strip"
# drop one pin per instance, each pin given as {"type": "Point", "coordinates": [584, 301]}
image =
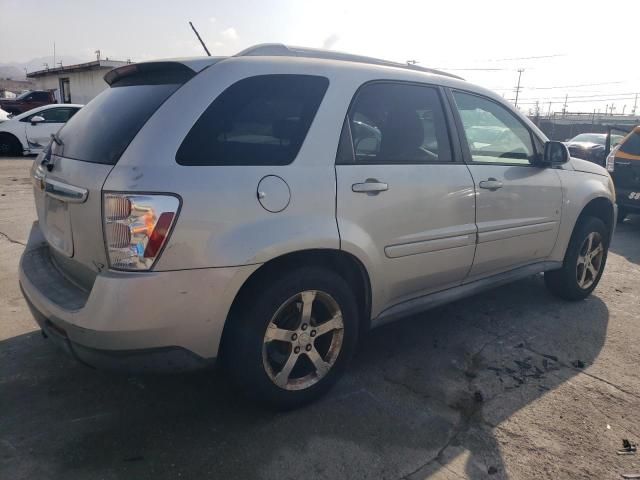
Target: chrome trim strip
{"type": "Point", "coordinates": [510, 232]}
{"type": "Point", "coordinates": [65, 192]}
{"type": "Point", "coordinates": [426, 246]}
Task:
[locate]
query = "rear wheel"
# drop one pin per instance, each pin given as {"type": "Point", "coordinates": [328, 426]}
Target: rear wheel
{"type": "Point", "coordinates": [584, 261]}
{"type": "Point", "coordinates": [292, 338]}
{"type": "Point", "coordinates": [10, 146]}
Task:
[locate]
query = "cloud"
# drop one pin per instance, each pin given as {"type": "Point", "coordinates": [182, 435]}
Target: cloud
{"type": "Point", "coordinates": [229, 34]}
{"type": "Point", "coordinates": [212, 19]}
{"type": "Point", "coordinates": [330, 41]}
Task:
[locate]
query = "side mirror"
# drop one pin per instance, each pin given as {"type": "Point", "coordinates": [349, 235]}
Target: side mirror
{"type": "Point", "coordinates": [36, 119]}
{"type": "Point", "coordinates": [555, 153]}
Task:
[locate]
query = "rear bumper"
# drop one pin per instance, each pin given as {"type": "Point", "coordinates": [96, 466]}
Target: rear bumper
{"type": "Point", "coordinates": [133, 321]}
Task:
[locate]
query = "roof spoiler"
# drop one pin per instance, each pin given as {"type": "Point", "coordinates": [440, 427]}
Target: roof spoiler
{"type": "Point", "coordinates": [149, 73]}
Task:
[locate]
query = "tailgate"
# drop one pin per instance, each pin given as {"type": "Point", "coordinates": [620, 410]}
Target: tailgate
{"type": "Point", "coordinates": [69, 206]}
{"type": "Point", "coordinates": [70, 173]}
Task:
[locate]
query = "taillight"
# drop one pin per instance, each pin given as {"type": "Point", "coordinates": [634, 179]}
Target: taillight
{"type": "Point", "coordinates": [611, 159]}
{"type": "Point", "coordinates": [136, 227]}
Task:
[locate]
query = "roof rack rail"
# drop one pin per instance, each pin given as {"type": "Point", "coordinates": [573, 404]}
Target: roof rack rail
{"type": "Point", "coordinates": [281, 50]}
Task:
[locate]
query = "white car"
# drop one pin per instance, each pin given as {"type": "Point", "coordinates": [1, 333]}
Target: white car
{"type": "Point", "coordinates": [4, 116]}
{"type": "Point", "coordinates": [30, 132]}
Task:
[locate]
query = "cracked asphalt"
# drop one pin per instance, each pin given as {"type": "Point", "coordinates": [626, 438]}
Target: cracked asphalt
{"type": "Point", "coordinates": [513, 384]}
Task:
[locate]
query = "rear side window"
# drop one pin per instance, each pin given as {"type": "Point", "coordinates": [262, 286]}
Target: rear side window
{"type": "Point", "coordinates": [260, 120]}
{"type": "Point", "coordinates": [632, 144]}
{"type": "Point", "coordinates": [395, 123]}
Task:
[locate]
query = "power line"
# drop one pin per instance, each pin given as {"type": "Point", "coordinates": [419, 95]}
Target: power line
{"type": "Point", "coordinates": [608, 95]}
{"type": "Point", "coordinates": [584, 101]}
{"type": "Point", "coordinates": [535, 57]}
{"type": "Point", "coordinates": [575, 86]}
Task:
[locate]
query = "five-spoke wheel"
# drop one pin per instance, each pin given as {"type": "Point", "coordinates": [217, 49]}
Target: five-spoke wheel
{"type": "Point", "coordinates": [290, 340]}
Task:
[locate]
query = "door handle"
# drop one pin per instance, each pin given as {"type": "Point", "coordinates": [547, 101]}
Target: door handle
{"type": "Point", "coordinates": [491, 184]}
{"type": "Point", "coordinates": [370, 186]}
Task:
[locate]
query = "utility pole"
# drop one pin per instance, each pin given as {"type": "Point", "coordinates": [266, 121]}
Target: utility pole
{"type": "Point", "coordinates": [624, 107]}
{"type": "Point", "coordinates": [549, 114]}
{"type": "Point", "coordinates": [54, 54]}
{"type": "Point", "coordinates": [635, 105]}
{"type": "Point", "coordinates": [520, 70]}
{"type": "Point", "coordinates": [564, 107]}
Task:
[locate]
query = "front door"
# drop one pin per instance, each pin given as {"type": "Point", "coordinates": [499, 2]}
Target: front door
{"type": "Point", "coordinates": [405, 203]}
{"type": "Point", "coordinates": [39, 134]}
{"type": "Point", "coordinates": [518, 203]}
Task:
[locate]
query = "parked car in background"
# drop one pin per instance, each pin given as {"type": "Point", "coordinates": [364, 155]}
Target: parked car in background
{"type": "Point", "coordinates": [300, 198]}
{"type": "Point", "coordinates": [27, 101]}
{"type": "Point", "coordinates": [623, 164]}
{"type": "Point", "coordinates": [30, 132]}
{"type": "Point", "coordinates": [591, 146]}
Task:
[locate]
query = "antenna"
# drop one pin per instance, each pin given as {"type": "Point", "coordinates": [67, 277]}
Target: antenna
{"type": "Point", "coordinates": [200, 39]}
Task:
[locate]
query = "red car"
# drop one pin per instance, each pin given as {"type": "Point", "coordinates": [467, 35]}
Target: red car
{"type": "Point", "coordinates": [27, 100]}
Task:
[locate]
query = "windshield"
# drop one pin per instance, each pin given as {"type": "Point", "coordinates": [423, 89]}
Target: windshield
{"type": "Point", "coordinates": [22, 95]}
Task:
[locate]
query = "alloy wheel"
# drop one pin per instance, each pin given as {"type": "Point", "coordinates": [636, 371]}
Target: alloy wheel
{"type": "Point", "coordinates": [303, 340]}
{"type": "Point", "coordinates": [589, 260]}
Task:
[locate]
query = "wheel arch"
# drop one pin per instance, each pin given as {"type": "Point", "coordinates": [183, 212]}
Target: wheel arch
{"type": "Point", "coordinates": [602, 208]}
{"type": "Point", "coordinates": [345, 264]}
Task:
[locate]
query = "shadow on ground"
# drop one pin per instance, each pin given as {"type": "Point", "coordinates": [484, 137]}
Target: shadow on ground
{"type": "Point", "coordinates": [441, 379]}
{"type": "Point", "coordinates": [627, 239]}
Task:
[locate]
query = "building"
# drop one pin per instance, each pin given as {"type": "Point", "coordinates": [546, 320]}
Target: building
{"type": "Point", "coordinates": [75, 83]}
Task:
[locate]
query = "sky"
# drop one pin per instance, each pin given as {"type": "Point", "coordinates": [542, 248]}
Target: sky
{"type": "Point", "coordinates": [584, 49]}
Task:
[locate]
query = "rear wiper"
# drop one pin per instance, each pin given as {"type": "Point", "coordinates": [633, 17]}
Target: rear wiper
{"type": "Point", "coordinates": [56, 138]}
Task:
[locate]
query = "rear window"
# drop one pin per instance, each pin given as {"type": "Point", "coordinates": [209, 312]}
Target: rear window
{"type": "Point", "coordinates": [631, 145]}
{"type": "Point", "coordinates": [101, 131]}
{"type": "Point", "coordinates": [260, 120]}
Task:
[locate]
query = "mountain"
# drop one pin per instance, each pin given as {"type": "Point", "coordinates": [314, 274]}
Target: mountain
{"type": "Point", "coordinates": [15, 70]}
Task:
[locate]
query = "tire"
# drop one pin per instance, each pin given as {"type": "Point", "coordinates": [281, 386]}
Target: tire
{"type": "Point", "coordinates": [572, 282]}
{"type": "Point", "coordinates": [257, 360]}
{"type": "Point", "coordinates": [10, 146]}
{"type": "Point", "coordinates": [622, 214]}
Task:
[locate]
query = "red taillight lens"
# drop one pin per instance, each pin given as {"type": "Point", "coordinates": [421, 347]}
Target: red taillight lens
{"type": "Point", "coordinates": [160, 232]}
{"type": "Point", "coordinates": [136, 227]}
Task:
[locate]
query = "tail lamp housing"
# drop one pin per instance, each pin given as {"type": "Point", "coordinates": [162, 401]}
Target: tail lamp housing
{"type": "Point", "coordinates": [136, 228]}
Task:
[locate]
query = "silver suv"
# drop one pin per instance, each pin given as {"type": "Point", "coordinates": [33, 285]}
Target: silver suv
{"type": "Point", "coordinates": [267, 209]}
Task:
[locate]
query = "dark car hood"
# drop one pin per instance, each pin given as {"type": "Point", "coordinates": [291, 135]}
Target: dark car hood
{"type": "Point", "coordinates": [584, 145]}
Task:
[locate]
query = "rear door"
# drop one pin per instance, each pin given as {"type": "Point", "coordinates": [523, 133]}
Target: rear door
{"type": "Point", "coordinates": [69, 177]}
{"type": "Point", "coordinates": [518, 203]}
{"type": "Point", "coordinates": [403, 201]}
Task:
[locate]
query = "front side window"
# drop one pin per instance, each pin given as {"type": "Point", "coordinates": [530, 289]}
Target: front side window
{"type": "Point", "coordinates": [57, 115]}
{"type": "Point", "coordinates": [493, 133]}
{"type": "Point", "coordinates": [393, 123]}
{"type": "Point", "coordinates": [39, 96]}
{"type": "Point", "coordinates": [632, 144]}
{"type": "Point", "coordinates": [260, 120]}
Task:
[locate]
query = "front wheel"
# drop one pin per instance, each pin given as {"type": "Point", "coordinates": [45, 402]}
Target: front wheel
{"type": "Point", "coordinates": [10, 146]}
{"type": "Point", "coordinates": [584, 261]}
{"type": "Point", "coordinates": [291, 339]}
